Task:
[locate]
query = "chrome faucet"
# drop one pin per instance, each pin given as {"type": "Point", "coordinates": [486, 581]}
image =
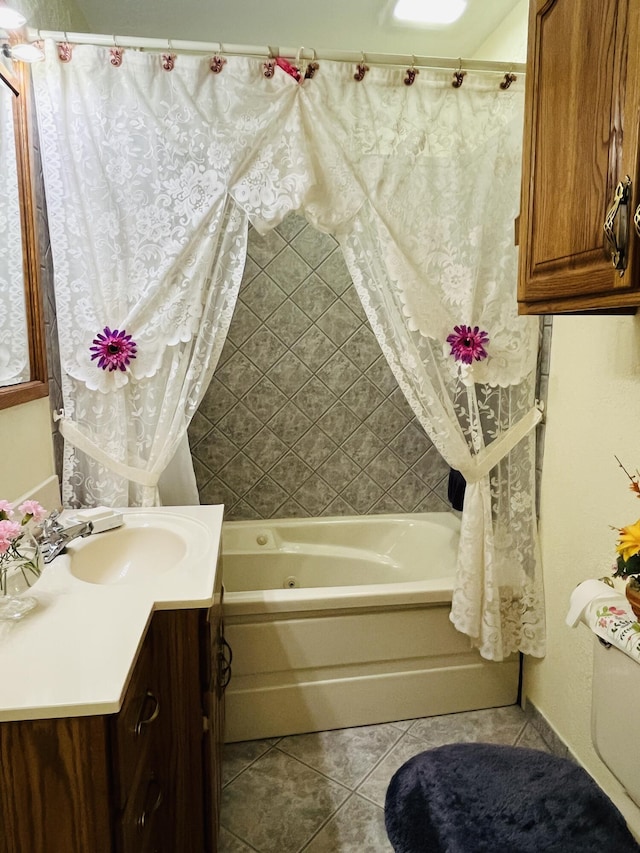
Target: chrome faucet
{"type": "Point", "coordinates": [54, 537]}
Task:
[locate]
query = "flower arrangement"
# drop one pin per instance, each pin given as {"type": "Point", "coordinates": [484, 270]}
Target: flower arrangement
{"type": "Point", "coordinates": [18, 548]}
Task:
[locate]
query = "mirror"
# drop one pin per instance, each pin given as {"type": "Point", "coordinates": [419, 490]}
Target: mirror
{"type": "Point", "coordinates": [23, 374]}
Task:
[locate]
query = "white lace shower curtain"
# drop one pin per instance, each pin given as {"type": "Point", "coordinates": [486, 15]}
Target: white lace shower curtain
{"type": "Point", "coordinates": [151, 176]}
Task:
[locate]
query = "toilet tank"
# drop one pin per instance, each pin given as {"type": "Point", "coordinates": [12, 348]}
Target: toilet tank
{"type": "Point", "coordinates": [616, 696]}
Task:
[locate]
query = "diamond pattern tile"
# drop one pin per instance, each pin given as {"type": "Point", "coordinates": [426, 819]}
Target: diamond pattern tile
{"type": "Point", "coordinates": [303, 416]}
{"type": "Point", "coordinates": [326, 790]}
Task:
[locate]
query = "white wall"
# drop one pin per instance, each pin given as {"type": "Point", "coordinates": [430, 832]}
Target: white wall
{"type": "Point", "coordinates": [508, 43]}
{"type": "Point", "coordinates": [593, 414]}
{"type": "Point", "coordinates": [27, 449]}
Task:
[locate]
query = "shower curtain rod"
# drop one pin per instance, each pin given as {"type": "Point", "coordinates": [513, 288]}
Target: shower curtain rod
{"type": "Point", "coordinates": [261, 52]}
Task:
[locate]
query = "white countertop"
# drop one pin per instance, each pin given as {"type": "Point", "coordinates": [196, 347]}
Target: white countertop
{"type": "Point", "coordinates": [74, 653]}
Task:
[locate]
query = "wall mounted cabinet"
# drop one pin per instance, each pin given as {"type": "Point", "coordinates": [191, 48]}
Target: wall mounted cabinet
{"type": "Point", "coordinates": [582, 118]}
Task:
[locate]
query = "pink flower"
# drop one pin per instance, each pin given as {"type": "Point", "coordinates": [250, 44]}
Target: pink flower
{"type": "Point", "coordinates": [9, 531]}
{"type": "Point", "coordinates": [467, 344]}
{"type": "Point", "coordinates": [6, 510]}
{"type": "Point", "coordinates": [616, 611]}
{"type": "Point", "coordinates": [114, 350]}
{"type": "Point", "coordinates": [32, 509]}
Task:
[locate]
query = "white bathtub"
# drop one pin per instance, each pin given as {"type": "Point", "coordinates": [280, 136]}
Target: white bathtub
{"type": "Point", "coordinates": [337, 622]}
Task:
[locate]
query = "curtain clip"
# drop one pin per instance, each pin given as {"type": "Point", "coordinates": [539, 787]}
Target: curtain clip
{"type": "Point", "coordinates": [217, 62]}
{"type": "Point", "coordinates": [269, 66]}
{"type": "Point", "coordinates": [169, 59]}
{"type": "Point", "coordinates": [458, 76]}
{"type": "Point", "coordinates": [509, 78]}
{"type": "Point", "coordinates": [411, 73]}
{"type": "Point", "coordinates": [116, 54]}
{"type": "Point", "coordinates": [361, 68]}
{"type": "Point", "coordinates": [65, 50]}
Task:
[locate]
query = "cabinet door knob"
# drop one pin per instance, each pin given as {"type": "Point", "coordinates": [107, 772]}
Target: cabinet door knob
{"type": "Point", "coordinates": [616, 225]}
{"type": "Point", "coordinates": [143, 721]}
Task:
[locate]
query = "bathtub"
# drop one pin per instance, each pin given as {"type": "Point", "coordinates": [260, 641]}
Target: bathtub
{"type": "Point", "coordinates": [339, 622]}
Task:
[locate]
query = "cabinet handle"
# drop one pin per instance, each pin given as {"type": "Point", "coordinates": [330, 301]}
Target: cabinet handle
{"type": "Point", "coordinates": [616, 225]}
{"type": "Point", "coordinates": [149, 812]}
{"type": "Point", "coordinates": [636, 220]}
{"type": "Point", "coordinates": [144, 721]}
{"type": "Point", "coordinates": [225, 658]}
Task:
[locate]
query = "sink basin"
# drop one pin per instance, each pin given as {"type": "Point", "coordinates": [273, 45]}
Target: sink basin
{"type": "Point", "coordinates": [149, 544]}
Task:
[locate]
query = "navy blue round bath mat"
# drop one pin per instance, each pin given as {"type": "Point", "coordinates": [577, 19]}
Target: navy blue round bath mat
{"type": "Point", "coordinates": [487, 798]}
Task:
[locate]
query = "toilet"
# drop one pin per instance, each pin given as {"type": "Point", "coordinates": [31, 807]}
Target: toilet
{"type": "Point", "coordinates": [616, 691]}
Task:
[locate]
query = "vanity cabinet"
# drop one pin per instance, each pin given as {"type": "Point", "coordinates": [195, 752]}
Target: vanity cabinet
{"type": "Point", "coordinates": [146, 780]}
{"type": "Point", "coordinates": [582, 115]}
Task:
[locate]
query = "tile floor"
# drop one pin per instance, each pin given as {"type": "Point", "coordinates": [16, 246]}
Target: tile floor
{"type": "Point", "coordinates": [324, 792]}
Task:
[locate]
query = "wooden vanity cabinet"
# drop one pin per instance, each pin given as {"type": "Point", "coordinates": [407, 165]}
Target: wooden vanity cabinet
{"type": "Point", "coordinates": [145, 780]}
{"type": "Point", "coordinates": [582, 114]}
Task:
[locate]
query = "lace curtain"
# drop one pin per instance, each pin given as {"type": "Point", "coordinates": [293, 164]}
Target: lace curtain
{"type": "Point", "coordinates": [14, 344]}
{"type": "Point", "coordinates": [421, 186]}
{"type": "Point", "coordinates": [151, 176]}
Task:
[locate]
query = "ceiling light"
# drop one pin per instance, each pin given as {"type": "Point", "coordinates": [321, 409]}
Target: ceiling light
{"type": "Point", "coordinates": [429, 12]}
{"type": "Point", "coordinates": [10, 19]}
{"type": "Point", "coordinates": [26, 53]}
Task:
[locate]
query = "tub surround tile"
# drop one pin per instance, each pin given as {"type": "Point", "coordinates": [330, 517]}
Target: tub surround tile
{"type": "Point", "coordinates": [288, 269]}
{"type": "Point", "coordinates": [265, 449]}
{"type": "Point", "coordinates": [238, 374]}
{"type": "Point", "coordinates": [216, 491]}
{"type": "Point", "coordinates": [314, 398]}
{"type": "Point", "coordinates": [315, 446]}
{"type": "Point", "coordinates": [314, 495]}
{"type": "Point", "coordinates": [289, 424]}
{"type": "Point", "coordinates": [290, 322]}
{"type": "Point", "coordinates": [262, 296]}
{"type": "Point", "coordinates": [339, 470]}
{"type": "Point", "coordinates": [266, 496]}
{"type": "Point", "coordinates": [339, 322]}
{"type": "Point", "coordinates": [314, 348]}
{"type": "Point", "coordinates": [289, 373]}
{"type": "Point", "coordinates": [217, 401]}
{"type": "Point", "coordinates": [314, 297]}
{"type": "Point", "coordinates": [408, 491]}
{"type": "Point", "coordinates": [301, 372]}
{"type": "Point", "coordinates": [264, 348]}
{"type": "Point", "coordinates": [432, 502]}
{"type": "Point", "coordinates": [263, 248]}
{"type": "Point", "coordinates": [334, 272]}
{"type": "Point", "coordinates": [338, 373]}
{"type": "Point", "coordinates": [313, 245]}
{"type": "Point", "coordinates": [264, 399]}
{"type": "Point", "coordinates": [239, 424]}
{"type": "Point", "coordinates": [290, 226]}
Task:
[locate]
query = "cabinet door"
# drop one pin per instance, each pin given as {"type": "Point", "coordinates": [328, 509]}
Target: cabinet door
{"type": "Point", "coordinates": [581, 139]}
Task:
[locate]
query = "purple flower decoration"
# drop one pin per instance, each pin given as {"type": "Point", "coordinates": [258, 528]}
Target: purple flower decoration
{"type": "Point", "coordinates": [114, 350]}
{"type": "Point", "coordinates": [467, 344]}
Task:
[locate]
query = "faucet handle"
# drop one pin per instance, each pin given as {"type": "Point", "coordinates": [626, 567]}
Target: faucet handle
{"type": "Point", "coordinates": [51, 525]}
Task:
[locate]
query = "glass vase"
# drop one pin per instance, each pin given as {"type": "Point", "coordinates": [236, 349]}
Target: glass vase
{"type": "Point", "coordinates": [20, 568]}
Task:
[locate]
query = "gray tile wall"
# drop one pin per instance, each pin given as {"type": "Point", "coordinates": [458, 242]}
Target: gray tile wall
{"type": "Point", "coordinates": [303, 416]}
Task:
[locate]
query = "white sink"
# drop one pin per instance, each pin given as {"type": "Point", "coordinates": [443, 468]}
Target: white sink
{"type": "Point", "coordinates": [149, 544]}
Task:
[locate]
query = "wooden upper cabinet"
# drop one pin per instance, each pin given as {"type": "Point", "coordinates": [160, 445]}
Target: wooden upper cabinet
{"type": "Point", "coordinates": [580, 141]}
